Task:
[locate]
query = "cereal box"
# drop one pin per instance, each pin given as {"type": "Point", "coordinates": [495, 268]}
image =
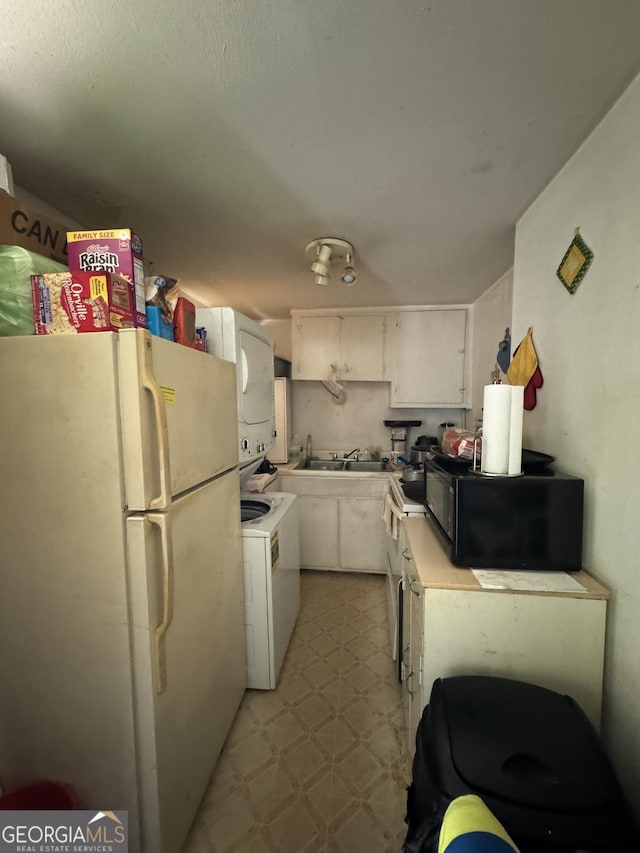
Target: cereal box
{"type": "Point", "coordinates": [118, 251]}
{"type": "Point", "coordinates": [65, 303]}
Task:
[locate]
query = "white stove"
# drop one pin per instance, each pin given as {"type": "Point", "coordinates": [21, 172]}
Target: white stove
{"type": "Point", "coordinates": [406, 505]}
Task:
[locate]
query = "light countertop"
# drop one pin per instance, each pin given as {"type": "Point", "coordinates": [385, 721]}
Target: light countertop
{"type": "Point", "coordinates": [434, 569]}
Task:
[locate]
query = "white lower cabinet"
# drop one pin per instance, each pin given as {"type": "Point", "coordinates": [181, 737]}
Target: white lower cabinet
{"type": "Point", "coordinates": [361, 534]}
{"type": "Point", "coordinates": [318, 531]}
{"type": "Point", "coordinates": [555, 640]}
{"type": "Point", "coordinates": [415, 680]}
{"type": "Point", "coordinates": [413, 647]}
{"type": "Point", "coordinates": [341, 526]}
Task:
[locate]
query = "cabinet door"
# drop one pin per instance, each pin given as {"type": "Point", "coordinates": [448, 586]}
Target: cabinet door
{"type": "Point", "coordinates": [405, 657]}
{"type": "Point", "coordinates": [414, 683]}
{"type": "Point", "coordinates": [362, 348]}
{"type": "Point", "coordinates": [426, 351]}
{"type": "Point", "coordinates": [315, 347]}
{"type": "Point", "coordinates": [554, 641]}
{"type": "Point", "coordinates": [405, 615]}
{"type": "Point", "coordinates": [405, 644]}
{"type": "Point", "coordinates": [361, 535]}
{"type": "Point", "coordinates": [318, 518]}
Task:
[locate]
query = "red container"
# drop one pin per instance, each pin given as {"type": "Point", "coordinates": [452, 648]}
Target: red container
{"type": "Point", "coordinates": [43, 794]}
{"type": "Point", "coordinates": [184, 323]}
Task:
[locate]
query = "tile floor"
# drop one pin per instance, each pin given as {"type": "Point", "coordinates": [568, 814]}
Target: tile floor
{"type": "Point", "coordinates": [318, 765]}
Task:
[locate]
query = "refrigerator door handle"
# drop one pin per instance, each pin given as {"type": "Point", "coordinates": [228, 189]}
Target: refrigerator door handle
{"type": "Point", "coordinates": [148, 380]}
{"type": "Point", "coordinates": [160, 631]}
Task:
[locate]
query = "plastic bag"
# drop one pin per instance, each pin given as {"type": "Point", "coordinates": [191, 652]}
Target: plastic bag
{"type": "Point", "coordinates": [458, 443]}
{"type": "Point", "coordinates": [17, 265]}
{"type": "Point", "coordinates": [162, 292]}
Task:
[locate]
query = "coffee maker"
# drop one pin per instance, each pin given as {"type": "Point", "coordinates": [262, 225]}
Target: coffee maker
{"type": "Point", "coordinates": [399, 442]}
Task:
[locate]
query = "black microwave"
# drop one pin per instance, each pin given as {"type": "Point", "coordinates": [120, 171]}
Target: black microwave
{"type": "Point", "coordinates": [529, 522]}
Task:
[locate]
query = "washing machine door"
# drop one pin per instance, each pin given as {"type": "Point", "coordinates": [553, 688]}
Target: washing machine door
{"type": "Point", "coordinates": [250, 510]}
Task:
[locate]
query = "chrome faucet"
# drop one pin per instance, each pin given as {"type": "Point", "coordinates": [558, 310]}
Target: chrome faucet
{"type": "Point", "coordinates": [351, 452]}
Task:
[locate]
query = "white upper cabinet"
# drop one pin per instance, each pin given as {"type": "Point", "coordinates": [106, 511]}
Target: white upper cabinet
{"type": "Point", "coordinates": [419, 350]}
{"type": "Point", "coordinates": [315, 347]}
{"type": "Point", "coordinates": [362, 347]}
{"type": "Point", "coordinates": [425, 356]}
{"type": "Point", "coordinates": [346, 347]}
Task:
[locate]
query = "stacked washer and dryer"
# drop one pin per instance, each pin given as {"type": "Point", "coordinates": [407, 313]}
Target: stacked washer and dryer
{"type": "Point", "coordinates": [270, 539]}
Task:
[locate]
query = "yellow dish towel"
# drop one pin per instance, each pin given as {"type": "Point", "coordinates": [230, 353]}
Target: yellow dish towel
{"type": "Point", "coordinates": [524, 362]}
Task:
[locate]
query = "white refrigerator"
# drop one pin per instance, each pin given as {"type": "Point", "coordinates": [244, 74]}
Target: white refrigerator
{"type": "Point", "coordinates": [122, 649]}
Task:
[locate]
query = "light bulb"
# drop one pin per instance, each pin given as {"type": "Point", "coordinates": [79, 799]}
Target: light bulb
{"type": "Point", "coordinates": [349, 276]}
{"type": "Point", "coordinates": [348, 273]}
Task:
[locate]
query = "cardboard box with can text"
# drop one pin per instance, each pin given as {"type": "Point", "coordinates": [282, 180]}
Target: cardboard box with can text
{"type": "Point", "coordinates": [22, 226]}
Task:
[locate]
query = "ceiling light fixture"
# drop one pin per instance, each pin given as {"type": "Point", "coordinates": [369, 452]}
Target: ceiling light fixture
{"type": "Point", "coordinates": [325, 249]}
{"type": "Point", "coordinates": [348, 273]}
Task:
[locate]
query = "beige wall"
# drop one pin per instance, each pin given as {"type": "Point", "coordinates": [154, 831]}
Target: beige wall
{"type": "Point", "coordinates": [44, 209]}
{"type": "Point", "coordinates": [588, 413]}
{"type": "Point", "coordinates": [358, 422]}
{"type": "Point", "coordinates": [280, 333]}
{"type": "Point", "coordinates": [491, 316]}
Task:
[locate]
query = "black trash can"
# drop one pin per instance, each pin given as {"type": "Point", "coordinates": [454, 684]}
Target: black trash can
{"type": "Point", "coordinates": [531, 754]}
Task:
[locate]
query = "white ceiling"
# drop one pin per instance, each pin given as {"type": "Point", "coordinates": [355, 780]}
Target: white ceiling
{"type": "Point", "coordinates": [229, 133]}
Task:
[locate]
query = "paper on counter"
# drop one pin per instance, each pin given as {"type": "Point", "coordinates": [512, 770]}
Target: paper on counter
{"type": "Point", "coordinates": [537, 581]}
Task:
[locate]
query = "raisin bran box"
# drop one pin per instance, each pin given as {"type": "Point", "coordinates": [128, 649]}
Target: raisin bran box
{"type": "Point", "coordinates": [69, 302]}
{"type": "Point", "coordinates": [118, 251]}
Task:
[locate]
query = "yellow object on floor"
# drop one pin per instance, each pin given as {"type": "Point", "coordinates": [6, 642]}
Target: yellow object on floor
{"type": "Point", "coordinates": [470, 827]}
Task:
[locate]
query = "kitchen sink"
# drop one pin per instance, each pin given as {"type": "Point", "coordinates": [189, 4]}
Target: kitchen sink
{"type": "Point", "coordinates": [322, 464]}
{"type": "Point", "coordinates": [366, 465]}
{"type": "Point", "coordinates": [342, 465]}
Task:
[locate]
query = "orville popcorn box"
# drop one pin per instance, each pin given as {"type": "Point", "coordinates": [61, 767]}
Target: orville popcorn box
{"type": "Point", "coordinates": [70, 302]}
{"type": "Point", "coordinates": [118, 251]}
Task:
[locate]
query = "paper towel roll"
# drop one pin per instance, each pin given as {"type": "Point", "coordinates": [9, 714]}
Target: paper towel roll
{"type": "Point", "coordinates": [496, 420]}
{"type": "Point", "coordinates": [502, 429]}
{"type": "Point", "coordinates": [515, 430]}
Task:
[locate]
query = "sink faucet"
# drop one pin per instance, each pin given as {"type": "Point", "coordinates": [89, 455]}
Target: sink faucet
{"type": "Point", "coordinates": [351, 452]}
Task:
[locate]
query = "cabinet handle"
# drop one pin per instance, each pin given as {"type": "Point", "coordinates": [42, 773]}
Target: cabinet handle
{"type": "Point", "coordinates": [404, 653]}
{"type": "Point", "coordinates": [417, 594]}
{"type": "Point", "coordinates": [406, 554]}
{"type": "Point", "coordinates": [408, 679]}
